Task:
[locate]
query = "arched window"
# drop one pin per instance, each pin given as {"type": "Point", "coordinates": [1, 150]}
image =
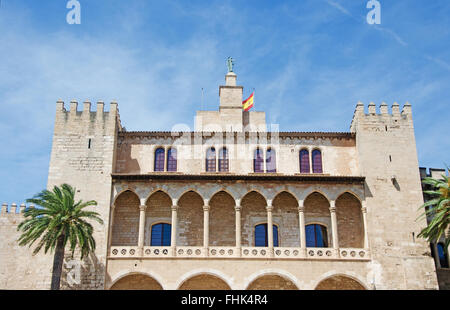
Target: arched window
{"type": "Point", "coordinates": [271, 161]}
{"type": "Point", "coordinates": [161, 234]}
{"type": "Point", "coordinates": [442, 256]}
{"type": "Point", "coordinates": [223, 160]}
{"type": "Point", "coordinates": [211, 160]}
{"type": "Point", "coordinates": [172, 160]}
{"type": "Point", "coordinates": [317, 161]}
{"type": "Point", "coordinates": [304, 161]}
{"type": "Point", "coordinates": [258, 161]}
{"type": "Point", "coordinates": [261, 238]}
{"type": "Point", "coordinates": [316, 236]}
{"type": "Point", "coordinates": [159, 159]}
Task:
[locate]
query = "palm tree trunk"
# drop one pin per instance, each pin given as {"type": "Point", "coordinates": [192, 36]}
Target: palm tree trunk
{"type": "Point", "coordinates": [58, 260]}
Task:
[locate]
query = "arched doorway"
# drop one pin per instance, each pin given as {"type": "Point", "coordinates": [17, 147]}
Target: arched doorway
{"type": "Point", "coordinates": [339, 282]}
{"type": "Point", "coordinates": [272, 282]}
{"type": "Point", "coordinates": [136, 281]}
{"type": "Point", "coordinates": [204, 282]}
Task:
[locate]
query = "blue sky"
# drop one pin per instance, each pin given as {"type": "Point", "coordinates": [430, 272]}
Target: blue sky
{"type": "Point", "coordinates": [310, 62]}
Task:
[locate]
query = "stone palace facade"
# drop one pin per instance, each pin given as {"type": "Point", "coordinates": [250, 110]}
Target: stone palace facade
{"type": "Point", "coordinates": [234, 204]}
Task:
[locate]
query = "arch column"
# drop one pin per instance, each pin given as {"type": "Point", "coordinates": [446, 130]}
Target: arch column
{"type": "Point", "coordinates": [334, 226]}
{"type": "Point", "coordinates": [237, 209]}
{"type": "Point", "coordinates": [366, 234]}
{"type": "Point", "coordinates": [173, 232]}
{"type": "Point", "coordinates": [111, 223]}
{"type": "Point", "coordinates": [301, 222]}
{"type": "Point", "coordinates": [269, 209]}
{"type": "Point", "coordinates": [141, 228]}
{"type": "Point", "coordinates": [206, 226]}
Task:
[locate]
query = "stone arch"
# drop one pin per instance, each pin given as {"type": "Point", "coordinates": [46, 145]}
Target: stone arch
{"type": "Point", "coordinates": [204, 281]}
{"type": "Point", "coordinates": [125, 227]}
{"type": "Point", "coordinates": [154, 191]}
{"type": "Point", "coordinates": [340, 282]}
{"type": "Point", "coordinates": [126, 189]}
{"type": "Point", "coordinates": [136, 281]}
{"type": "Point", "coordinates": [180, 192]}
{"type": "Point", "coordinates": [349, 221]}
{"type": "Point", "coordinates": [285, 214]}
{"type": "Point", "coordinates": [158, 210]}
{"type": "Point", "coordinates": [190, 219]}
{"type": "Point", "coordinates": [272, 281]}
{"type": "Point", "coordinates": [222, 220]}
{"type": "Point", "coordinates": [317, 211]}
{"type": "Point", "coordinates": [253, 212]}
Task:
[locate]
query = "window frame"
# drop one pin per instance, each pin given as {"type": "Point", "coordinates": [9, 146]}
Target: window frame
{"type": "Point", "coordinates": [173, 160]}
{"type": "Point", "coordinates": [273, 155]}
{"type": "Point", "coordinates": [163, 224]}
{"type": "Point", "coordinates": [209, 161]}
{"type": "Point", "coordinates": [260, 159]}
{"type": "Point", "coordinates": [157, 160]}
{"type": "Point", "coordinates": [313, 164]}
{"type": "Point", "coordinates": [325, 240]}
{"type": "Point", "coordinates": [223, 163]}
{"type": "Point", "coordinates": [266, 240]}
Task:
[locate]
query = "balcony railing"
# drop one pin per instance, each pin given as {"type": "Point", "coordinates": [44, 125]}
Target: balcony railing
{"type": "Point", "coordinates": [291, 253]}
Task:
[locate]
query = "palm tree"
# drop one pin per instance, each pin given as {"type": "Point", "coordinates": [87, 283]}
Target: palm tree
{"type": "Point", "coordinates": [438, 211]}
{"type": "Point", "coordinates": [59, 220]}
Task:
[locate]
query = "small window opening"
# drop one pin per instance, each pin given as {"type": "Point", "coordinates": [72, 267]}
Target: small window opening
{"type": "Point", "coordinates": [89, 143]}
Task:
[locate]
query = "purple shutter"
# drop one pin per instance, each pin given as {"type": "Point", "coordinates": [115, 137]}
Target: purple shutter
{"type": "Point", "coordinates": [271, 161]}
{"type": "Point", "coordinates": [258, 161]}
{"type": "Point", "coordinates": [223, 160]}
{"type": "Point", "coordinates": [211, 160]}
{"type": "Point", "coordinates": [317, 161]}
{"type": "Point", "coordinates": [304, 161]}
{"type": "Point", "coordinates": [172, 160]}
{"type": "Point", "coordinates": [159, 159]}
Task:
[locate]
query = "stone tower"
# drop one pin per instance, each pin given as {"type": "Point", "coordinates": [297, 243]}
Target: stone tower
{"type": "Point", "coordinates": [83, 155]}
{"type": "Point", "coordinates": [387, 156]}
{"type": "Point", "coordinates": [230, 117]}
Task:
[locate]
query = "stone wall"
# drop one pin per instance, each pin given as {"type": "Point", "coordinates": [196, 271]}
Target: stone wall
{"type": "Point", "coordinates": [19, 268]}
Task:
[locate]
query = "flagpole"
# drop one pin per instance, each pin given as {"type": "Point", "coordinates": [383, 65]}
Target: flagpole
{"type": "Point", "coordinates": [202, 99]}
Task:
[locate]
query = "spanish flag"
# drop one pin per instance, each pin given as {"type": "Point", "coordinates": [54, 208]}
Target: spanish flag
{"type": "Point", "coordinates": [248, 103]}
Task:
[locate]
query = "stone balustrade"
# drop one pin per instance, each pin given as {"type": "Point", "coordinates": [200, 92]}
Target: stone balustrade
{"type": "Point", "coordinates": [213, 252]}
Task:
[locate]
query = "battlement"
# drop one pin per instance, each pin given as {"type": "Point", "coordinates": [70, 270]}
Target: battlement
{"type": "Point", "coordinates": [380, 114]}
{"type": "Point", "coordinates": [87, 113]}
{"type": "Point", "coordinates": [7, 210]}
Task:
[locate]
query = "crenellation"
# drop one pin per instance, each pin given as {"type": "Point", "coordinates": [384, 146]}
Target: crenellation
{"type": "Point", "coordinates": [13, 208]}
{"type": "Point", "coordinates": [395, 109]}
{"type": "Point", "coordinates": [372, 108]}
{"type": "Point", "coordinates": [407, 109]}
{"type": "Point", "coordinates": [86, 107]}
{"type": "Point", "coordinates": [73, 107]}
{"type": "Point", "coordinates": [384, 108]}
{"type": "Point", "coordinates": [4, 208]}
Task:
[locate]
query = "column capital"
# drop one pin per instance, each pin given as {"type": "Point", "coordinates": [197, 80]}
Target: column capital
{"type": "Point", "coordinates": [206, 208]}
{"type": "Point", "coordinates": [301, 209]}
{"type": "Point", "coordinates": [269, 202]}
{"type": "Point", "coordinates": [113, 206]}
{"type": "Point", "coordinates": [269, 208]}
{"type": "Point", "coordinates": [174, 202]}
{"type": "Point", "coordinates": [237, 208]}
{"type": "Point", "coordinates": [333, 209]}
{"type": "Point", "coordinates": [174, 207]}
{"type": "Point", "coordinates": [142, 207]}
{"type": "Point", "coordinates": [301, 203]}
{"type": "Point", "coordinates": [364, 209]}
